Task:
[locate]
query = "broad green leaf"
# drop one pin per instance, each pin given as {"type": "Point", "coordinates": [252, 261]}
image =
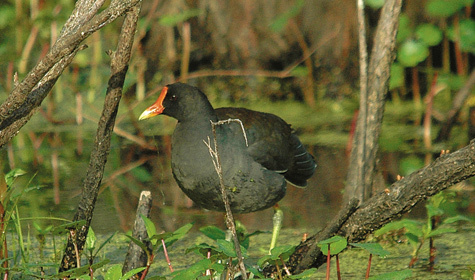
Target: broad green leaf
{"type": "Point", "coordinates": [114, 273]}
{"type": "Point", "coordinates": [412, 52]}
{"type": "Point", "coordinates": [429, 34]}
{"type": "Point", "coordinates": [213, 232]}
{"type": "Point", "coordinates": [227, 248]}
{"type": "Point", "coordinates": [150, 226]}
{"type": "Point", "coordinates": [372, 248]}
{"type": "Point", "coordinates": [337, 244]}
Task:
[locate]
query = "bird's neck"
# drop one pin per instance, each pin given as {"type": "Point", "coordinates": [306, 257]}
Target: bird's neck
{"type": "Point", "coordinates": [200, 114]}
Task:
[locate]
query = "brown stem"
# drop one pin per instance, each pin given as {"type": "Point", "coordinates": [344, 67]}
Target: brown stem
{"type": "Point", "coordinates": [368, 269]}
{"type": "Point", "coordinates": [328, 262]}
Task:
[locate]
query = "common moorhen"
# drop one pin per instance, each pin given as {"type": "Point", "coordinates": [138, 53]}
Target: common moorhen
{"type": "Point", "coordinates": [255, 173]}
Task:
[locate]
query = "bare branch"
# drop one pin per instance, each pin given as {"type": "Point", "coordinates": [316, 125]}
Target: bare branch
{"type": "Point", "coordinates": [81, 24]}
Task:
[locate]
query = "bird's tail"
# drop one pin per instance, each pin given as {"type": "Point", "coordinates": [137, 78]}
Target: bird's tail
{"type": "Point", "coordinates": [303, 165]}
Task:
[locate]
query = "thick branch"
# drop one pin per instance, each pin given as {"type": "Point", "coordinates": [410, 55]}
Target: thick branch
{"type": "Point", "coordinates": [95, 171]}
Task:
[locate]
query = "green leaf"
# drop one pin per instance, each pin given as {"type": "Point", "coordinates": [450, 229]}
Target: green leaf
{"type": "Point", "coordinates": [139, 243]}
{"type": "Point", "coordinates": [465, 36]}
{"type": "Point", "coordinates": [433, 211]}
{"type": "Point", "coordinates": [413, 239]}
{"type": "Point", "coordinates": [192, 272]}
{"type": "Point", "coordinates": [255, 271]}
{"type": "Point", "coordinates": [397, 76]}
{"type": "Point", "coordinates": [307, 274]}
{"type": "Point", "coordinates": [13, 174]}
{"type": "Point", "coordinates": [412, 52]}
{"type": "Point", "coordinates": [275, 253]}
{"type": "Point", "coordinates": [337, 244]}
{"type": "Point", "coordinates": [213, 232]}
{"type": "Point", "coordinates": [444, 8]}
{"type": "Point", "coordinates": [150, 226]}
{"type": "Point", "coordinates": [429, 34]}
{"type": "Point", "coordinates": [394, 275]}
{"type": "Point", "coordinates": [404, 29]}
{"type": "Point", "coordinates": [178, 234]}
{"type": "Point", "coordinates": [440, 231]}
{"type": "Point", "coordinates": [372, 248]}
{"type": "Point", "coordinates": [90, 240]}
{"type": "Point", "coordinates": [174, 19]}
{"type": "Point", "coordinates": [105, 242]}
{"type": "Point", "coordinates": [454, 219]}
{"type": "Point", "coordinates": [114, 272]}
{"type": "Point", "coordinates": [375, 4]}
{"type": "Point", "coordinates": [410, 225]}
{"type": "Point", "coordinates": [226, 247]}
{"type": "Point", "coordinates": [281, 21]}
{"type": "Point", "coordinates": [131, 273]}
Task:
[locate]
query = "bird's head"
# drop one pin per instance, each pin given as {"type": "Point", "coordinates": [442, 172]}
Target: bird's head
{"type": "Point", "coordinates": [180, 101]}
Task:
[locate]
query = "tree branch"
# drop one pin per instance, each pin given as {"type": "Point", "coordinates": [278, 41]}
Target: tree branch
{"type": "Point", "coordinates": [17, 108]}
{"type": "Point", "coordinates": [368, 128]}
{"type": "Point", "coordinates": [119, 64]}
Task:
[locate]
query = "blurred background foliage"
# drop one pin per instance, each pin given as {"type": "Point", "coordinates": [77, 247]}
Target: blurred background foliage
{"type": "Point", "coordinates": [297, 59]}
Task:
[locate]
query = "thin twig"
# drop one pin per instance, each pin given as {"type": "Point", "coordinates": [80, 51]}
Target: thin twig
{"type": "Point", "coordinates": [229, 214]}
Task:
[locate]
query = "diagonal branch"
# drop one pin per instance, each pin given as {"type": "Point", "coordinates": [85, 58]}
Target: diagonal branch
{"type": "Point", "coordinates": [119, 64]}
{"type": "Point", "coordinates": [17, 108]}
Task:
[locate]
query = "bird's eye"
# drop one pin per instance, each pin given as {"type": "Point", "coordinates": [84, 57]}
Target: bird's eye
{"type": "Point", "coordinates": [173, 97]}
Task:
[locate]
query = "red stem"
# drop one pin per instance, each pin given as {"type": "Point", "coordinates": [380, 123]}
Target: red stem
{"type": "Point", "coordinates": [338, 272]}
{"type": "Point", "coordinates": [369, 266]}
{"type": "Point", "coordinates": [166, 256]}
{"type": "Point", "coordinates": [328, 263]}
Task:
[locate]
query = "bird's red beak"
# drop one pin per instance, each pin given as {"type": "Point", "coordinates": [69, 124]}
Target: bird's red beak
{"type": "Point", "coordinates": [157, 107]}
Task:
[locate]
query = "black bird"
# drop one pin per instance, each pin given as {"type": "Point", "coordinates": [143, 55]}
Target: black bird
{"type": "Point", "coordinates": [255, 173]}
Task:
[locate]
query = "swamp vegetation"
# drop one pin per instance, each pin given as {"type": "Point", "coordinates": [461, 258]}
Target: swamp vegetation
{"type": "Point", "coordinates": [296, 59]}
